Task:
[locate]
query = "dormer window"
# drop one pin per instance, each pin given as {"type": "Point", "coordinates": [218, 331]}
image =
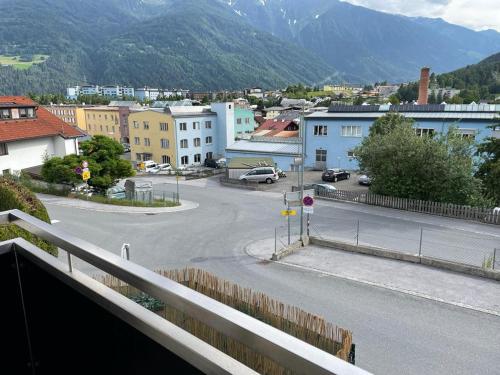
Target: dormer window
{"type": "Point", "coordinates": [5, 114]}
{"type": "Point", "coordinates": [26, 112]}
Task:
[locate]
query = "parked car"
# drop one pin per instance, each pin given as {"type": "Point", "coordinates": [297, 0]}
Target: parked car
{"type": "Point", "coordinates": [320, 189]}
{"type": "Point", "coordinates": [147, 166]}
{"type": "Point", "coordinates": [260, 174]}
{"type": "Point", "coordinates": [212, 163]}
{"type": "Point", "coordinates": [222, 162]}
{"type": "Point", "coordinates": [116, 192]}
{"type": "Point", "coordinates": [364, 179]}
{"type": "Point", "coordinates": [161, 168]}
{"type": "Point", "coordinates": [335, 174]}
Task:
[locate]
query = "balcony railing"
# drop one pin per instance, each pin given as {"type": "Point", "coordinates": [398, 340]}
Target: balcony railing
{"type": "Point", "coordinates": [290, 352]}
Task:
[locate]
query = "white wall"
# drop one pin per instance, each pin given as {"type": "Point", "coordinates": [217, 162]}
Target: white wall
{"type": "Point", "coordinates": [225, 125]}
{"type": "Point", "coordinates": [30, 153]}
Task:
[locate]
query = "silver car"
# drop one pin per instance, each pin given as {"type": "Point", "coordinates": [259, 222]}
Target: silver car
{"type": "Point", "coordinates": [261, 174]}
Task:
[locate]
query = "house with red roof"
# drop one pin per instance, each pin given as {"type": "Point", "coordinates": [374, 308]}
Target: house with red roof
{"type": "Point", "coordinates": [28, 133]}
{"type": "Point", "coordinates": [284, 128]}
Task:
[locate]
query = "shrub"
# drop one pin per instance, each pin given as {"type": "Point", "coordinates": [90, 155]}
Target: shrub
{"type": "Point", "coordinates": [14, 195]}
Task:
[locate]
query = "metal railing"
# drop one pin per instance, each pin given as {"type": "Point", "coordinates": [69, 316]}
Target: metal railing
{"type": "Point", "coordinates": [290, 352]}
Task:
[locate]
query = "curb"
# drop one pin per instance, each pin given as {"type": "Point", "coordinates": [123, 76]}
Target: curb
{"type": "Point", "coordinates": [378, 285]}
{"type": "Point", "coordinates": [99, 207]}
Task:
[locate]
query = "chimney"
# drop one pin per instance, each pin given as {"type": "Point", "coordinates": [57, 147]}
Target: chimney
{"type": "Point", "coordinates": [423, 87]}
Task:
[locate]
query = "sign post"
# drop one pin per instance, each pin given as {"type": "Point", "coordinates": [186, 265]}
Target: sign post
{"type": "Point", "coordinates": [308, 208]}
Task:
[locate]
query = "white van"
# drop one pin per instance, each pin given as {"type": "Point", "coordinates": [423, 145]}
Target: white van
{"type": "Point", "coordinates": [260, 174]}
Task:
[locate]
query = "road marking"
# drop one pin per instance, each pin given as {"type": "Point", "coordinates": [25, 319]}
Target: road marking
{"type": "Point", "coordinates": [54, 221]}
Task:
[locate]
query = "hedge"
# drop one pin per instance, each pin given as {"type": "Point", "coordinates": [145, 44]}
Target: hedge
{"type": "Point", "coordinates": [14, 195]}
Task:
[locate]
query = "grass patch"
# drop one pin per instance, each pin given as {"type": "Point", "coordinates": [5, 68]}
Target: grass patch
{"type": "Point", "coordinates": [17, 61]}
{"type": "Point", "coordinates": [124, 202]}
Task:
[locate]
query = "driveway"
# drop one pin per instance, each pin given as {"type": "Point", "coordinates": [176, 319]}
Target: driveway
{"type": "Point", "coordinates": [314, 177]}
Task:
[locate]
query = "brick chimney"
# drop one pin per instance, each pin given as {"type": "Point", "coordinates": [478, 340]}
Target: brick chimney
{"type": "Point", "coordinates": [423, 87]}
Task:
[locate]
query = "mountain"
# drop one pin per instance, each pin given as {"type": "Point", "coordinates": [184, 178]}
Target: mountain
{"type": "Point", "coordinates": [483, 77]}
{"type": "Point", "coordinates": [366, 45]}
{"type": "Point", "coordinates": [198, 44]}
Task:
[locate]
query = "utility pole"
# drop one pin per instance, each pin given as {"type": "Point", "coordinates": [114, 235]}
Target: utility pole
{"type": "Point", "coordinates": [301, 170]}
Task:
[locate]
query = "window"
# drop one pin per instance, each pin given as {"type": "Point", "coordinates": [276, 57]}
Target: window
{"type": "Point", "coordinates": [107, 129]}
{"type": "Point", "coordinates": [468, 133]}
{"type": "Point", "coordinates": [238, 121]}
{"type": "Point", "coordinates": [420, 132]}
{"type": "Point", "coordinates": [321, 155]}
{"type": "Point", "coordinates": [137, 141]}
{"type": "Point", "coordinates": [196, 125]}
{"type": "Point", "coordinates": [5, 113]}
{"type": "Point", "coordinates": [197, 142]}
{"type": "Point", "coordinates": [105, 117]}
{"type": "Point", "coordinates": [350, 154]}
{"type": "Point", "coordinates": [101, 127]}
{"type": "Point", "coordinates": [93, 116]}
{"type": "Point", "coordinates": [113, 128]}
{"type": "Point", "coordinates": [147, 142]}
{"type": "Point", "coordinates": [23, 112]}
{"type": "Point", "coordinates": [3, 149]}
{"type": "Point", "coordinates": [209, 155]}
{"type": "Point", "coordinates": [147, 157]}
{"type": "Point", "coordinates": [163, 126]}
{"type": "Point", "coordinates": [208, 124]}
{"type": "Point", "coordinates": [146, 125]}
{"type": "Point", "coordinates": [320, 130]}
{"type": "Point", "coordinates": [208, 140]}
{"type": "Point", "coordinates": [164, 143]}
{"type": "Point", "coordinates": [88, 116]}
{"type": "Point", "coordinates": [136, 125]}
{"type": "Point", "coordinates": [185, 160]}
{"type": "Point", "coordinates": [197, 158]}
{"type": "Point", "coordinates": [351, 131]}
{"type": "Point", "coordinates": [183, 126]}
{"type": "Point", "coordinates": [138, 157]}
{"type": "Point", "coordinates": [247, 121]}
{"type": "Point", "coordinates": [229, 106]}
{"type": "Point", "coordinates": [184, 143]}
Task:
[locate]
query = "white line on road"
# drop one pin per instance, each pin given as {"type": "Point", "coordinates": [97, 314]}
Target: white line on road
{"type": "Point", "coordinates": [54, 221]}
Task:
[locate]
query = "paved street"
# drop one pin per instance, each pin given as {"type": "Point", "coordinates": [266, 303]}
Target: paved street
{"type": "Point", "coordinates": [395, 333]}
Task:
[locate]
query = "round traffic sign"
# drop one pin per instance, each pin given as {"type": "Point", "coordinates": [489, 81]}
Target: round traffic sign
{"type": "Point", "coordinates": [85, 164]}
{"type": "Point", "coordinates": [308, 201]}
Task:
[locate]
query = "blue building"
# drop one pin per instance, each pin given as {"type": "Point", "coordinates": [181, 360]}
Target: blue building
{"type": "Point", "coordinates": [332, 136]}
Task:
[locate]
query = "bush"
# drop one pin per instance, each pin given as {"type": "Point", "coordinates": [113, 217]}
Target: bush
{"type": "Point", "coordinates": [14, 195]}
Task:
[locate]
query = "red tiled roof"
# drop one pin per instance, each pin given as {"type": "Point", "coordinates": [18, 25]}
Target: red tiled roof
{"type": "Point", "coordinates": [273, 127]}
{"type": "Point", "coordinates": [45, 124]}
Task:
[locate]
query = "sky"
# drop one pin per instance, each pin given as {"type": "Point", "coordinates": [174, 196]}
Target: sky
{"type": "Point", "coordinates": [474, 14]}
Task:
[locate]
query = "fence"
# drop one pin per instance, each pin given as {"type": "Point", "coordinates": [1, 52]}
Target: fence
{"type": "Point", "coordinates": [479, 250]}
{"type": "Point", "coordinates": [292, 320]}
{"type": "Point", "coordinates": [486, 215]}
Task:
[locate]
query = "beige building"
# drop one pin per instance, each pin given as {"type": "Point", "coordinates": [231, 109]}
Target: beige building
{"type": "Point", "coordinates": [152, 136]}
{"type": "Point", "coordinates": [101, 120]}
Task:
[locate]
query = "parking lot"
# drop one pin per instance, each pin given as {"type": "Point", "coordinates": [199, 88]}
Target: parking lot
{"type": "Point", "coordinates": [314, 177]}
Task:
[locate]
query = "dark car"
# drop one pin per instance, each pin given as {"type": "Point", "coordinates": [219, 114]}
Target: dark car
{"type": "Point", "coordinates": [212, 163]}
{"type": "Point", "coordinates": [335, 174]}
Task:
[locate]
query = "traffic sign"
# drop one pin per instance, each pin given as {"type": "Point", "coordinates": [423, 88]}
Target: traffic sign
{"type": "Point", "coordinates": [85, 164]}
{"type": "Point", "coordinates": [308, 209]}
{"type": "Point", "coordinates": [78, 170]}
{"type": "Point", "coordinates": [308, 201]}
{"type": "Point", "coordinates": [288, 212]}
{"type": "Point", "coordinates": [86, 175]}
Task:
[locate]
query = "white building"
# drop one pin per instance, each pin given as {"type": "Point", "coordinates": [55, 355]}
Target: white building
{"type": "Point", "coordinates": [29, 133]}
{"type": "Point", "coordinates": [108, 91]}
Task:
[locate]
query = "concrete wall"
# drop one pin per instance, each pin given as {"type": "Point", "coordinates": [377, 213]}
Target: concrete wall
{"type": "Point", "coordinates": [225, 126]}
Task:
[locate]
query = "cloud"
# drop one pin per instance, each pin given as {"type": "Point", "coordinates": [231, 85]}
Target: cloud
{"type": "Point", "coordinates": [474, 14]}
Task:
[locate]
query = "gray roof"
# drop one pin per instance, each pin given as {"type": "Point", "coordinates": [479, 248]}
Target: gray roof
{"type": "Point", "coordinates": [415, 115]}
{"type": "Point", "coordinates": [291, 149]}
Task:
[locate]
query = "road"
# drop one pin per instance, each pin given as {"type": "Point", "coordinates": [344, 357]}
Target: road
{"type": "Point", "coordinates": [394, 333]}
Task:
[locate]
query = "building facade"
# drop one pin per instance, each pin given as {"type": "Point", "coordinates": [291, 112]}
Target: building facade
{"type": "Point", "coordinates": [65, 112]}
{"type": "Point", "coordinates": [114, 91]}
{"type": "Point", "coordinates": [152, 136]}
{"type": "Point", "coordinates": [332, 136]}
{"type": "Point", "coordinates": [244, 121]}
{"type": "Point", "coordinates": [29, 133]}
{"type": "Point", "coordinates": [102, 120]}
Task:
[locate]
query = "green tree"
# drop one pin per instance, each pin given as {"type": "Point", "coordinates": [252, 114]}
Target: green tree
{"type": "Point", "coordinates": [403, 164]}
{"type": "Point", "coordinates": [489, 169]}
{"type": "Point", "coordinates": [386, 124]}
{"type": "Point", "coordinates": [103, 156]}
{"type": "Point", "coordinates": [394, 99]}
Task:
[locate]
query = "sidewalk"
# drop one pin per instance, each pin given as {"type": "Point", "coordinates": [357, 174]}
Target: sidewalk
{"type": "Point", "coordinates": [93, 206]}
{"type": "Point", "coordinates": [417, 280]}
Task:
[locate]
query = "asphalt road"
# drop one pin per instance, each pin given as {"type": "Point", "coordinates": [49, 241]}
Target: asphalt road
{"type": "Point", "coordinates": [394, 333]}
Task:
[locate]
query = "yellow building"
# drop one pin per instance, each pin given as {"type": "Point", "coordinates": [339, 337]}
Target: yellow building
{"type": "Point", "coordinates": [338, 89]}
{"type": "Point", "coordinates": [102, 120]}
{"type": "Point", "coordinates": [152, 136]}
